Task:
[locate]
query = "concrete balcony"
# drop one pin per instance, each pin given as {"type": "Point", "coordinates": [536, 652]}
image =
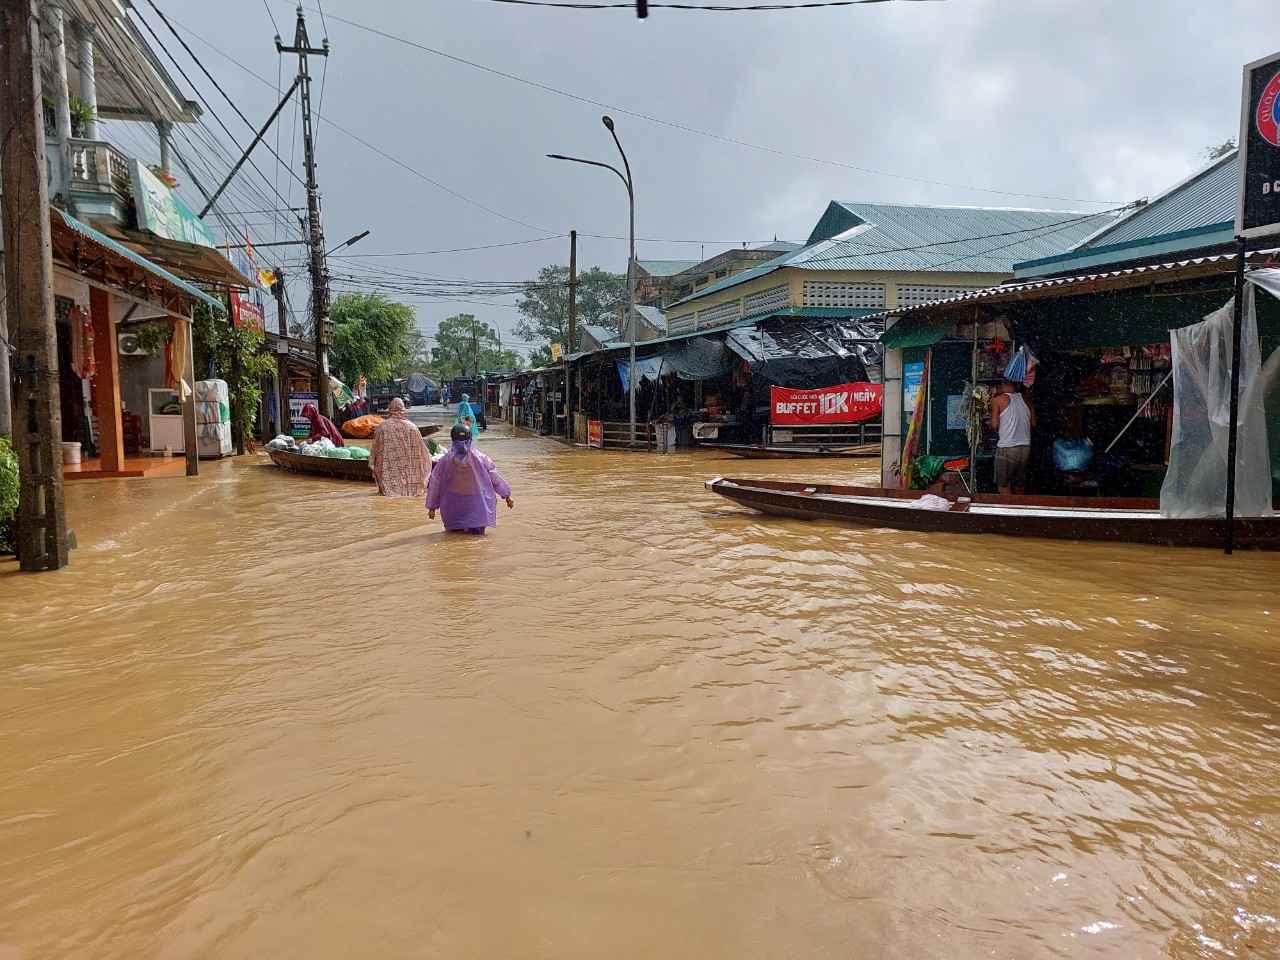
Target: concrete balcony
{"type": "Point", "coordinates": [95, 179]}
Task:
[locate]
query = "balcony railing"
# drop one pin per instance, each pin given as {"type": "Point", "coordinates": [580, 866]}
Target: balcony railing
{"type": "Point", "coordinates": [95, 178]}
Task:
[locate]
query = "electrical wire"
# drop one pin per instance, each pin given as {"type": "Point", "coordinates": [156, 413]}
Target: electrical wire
{"type": "Point", "coordinates": [217, 86]}
{"type": "Point", "coordinates": [714, 8]}
{"type": "Point", "coordinates": [694, 130]}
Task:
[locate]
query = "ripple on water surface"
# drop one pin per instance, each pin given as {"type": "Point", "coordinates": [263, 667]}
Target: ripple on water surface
{"type": "Point", "coordinates": [264, 715]}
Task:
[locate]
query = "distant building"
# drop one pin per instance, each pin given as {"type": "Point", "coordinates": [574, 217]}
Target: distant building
{"type": "Point", "coordinates": [663, 282]}
{"type": "Point", "coordinates": [862, 258]}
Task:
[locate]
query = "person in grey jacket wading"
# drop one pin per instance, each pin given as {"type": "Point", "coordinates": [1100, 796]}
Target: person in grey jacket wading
{"type": "Point", "coordinates": [1012, 417]}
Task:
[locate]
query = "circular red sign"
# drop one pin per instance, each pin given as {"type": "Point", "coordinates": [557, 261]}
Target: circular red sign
{"type": "Point", "coordinates": [1269, 112]}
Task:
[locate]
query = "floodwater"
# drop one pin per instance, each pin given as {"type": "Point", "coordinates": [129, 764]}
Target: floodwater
{"type": "Point", "coordinates": [265, 716]}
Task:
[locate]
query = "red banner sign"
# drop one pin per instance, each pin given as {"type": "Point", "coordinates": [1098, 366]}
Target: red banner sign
{"type": "Point", "coordinates": [847, 403]}
{"type": "Point", "coordinates": [244, 312]}
{"type": "Point", "coordinates": [595, 434]}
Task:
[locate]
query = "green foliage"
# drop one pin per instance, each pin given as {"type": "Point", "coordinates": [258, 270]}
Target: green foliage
{"type": "Point", "coordinates": [8, 495]}
{"type": "Point", "coordinates": [417, 356]}
{"type": "Point", "coordinates": [544, 307]}
{"type": "Point", "coordinates": [372, 336]}
{"type": "Point", "coordinates": [233, 354]}
{"type": "Point", "coordinates": [152, 337]}
{"type": "Point", "coordinates": [465, 343]}
{"type": "Point", "coordinates": [81, 112]}
{"type": "Point", "coordinates": [1221, 149]}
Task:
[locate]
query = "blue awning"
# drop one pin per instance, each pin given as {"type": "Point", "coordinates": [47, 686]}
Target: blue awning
{"type": "Point", "coordinates": [102, 240]}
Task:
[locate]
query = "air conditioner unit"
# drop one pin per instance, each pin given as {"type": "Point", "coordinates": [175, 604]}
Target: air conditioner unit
{"type": "Point", "coordinates": [127, 343]}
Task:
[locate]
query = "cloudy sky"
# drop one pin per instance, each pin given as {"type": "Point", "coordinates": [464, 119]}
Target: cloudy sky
{"type": "Point", "coordinates": [1064, 104]}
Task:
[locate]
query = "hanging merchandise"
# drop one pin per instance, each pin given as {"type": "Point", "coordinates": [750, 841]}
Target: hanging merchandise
{"type": "Point", "coordinates": [1016, 368]}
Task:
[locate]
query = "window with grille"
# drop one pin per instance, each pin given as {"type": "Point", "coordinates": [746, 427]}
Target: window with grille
{"type": "Point", "coordinates": [835, 293]}
{"type": "Point", "coordinates": [715, 316]}
{"type": "Point", "coordinates": [910, 294]}
{"type": "Point", "coordinates": [775, 298]}
{"type": "Point", "coordinates": [684, 324]}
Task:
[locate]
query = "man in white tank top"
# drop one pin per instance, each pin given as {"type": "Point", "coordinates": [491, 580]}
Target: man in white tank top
{"type": "Point", "coordinates": [1012, 417]}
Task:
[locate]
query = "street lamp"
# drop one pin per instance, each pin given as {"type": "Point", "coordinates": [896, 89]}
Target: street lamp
{"type": "Point", "coordinates": [346, 243]}
{"type": "Point", "coordinates": [631, 259]}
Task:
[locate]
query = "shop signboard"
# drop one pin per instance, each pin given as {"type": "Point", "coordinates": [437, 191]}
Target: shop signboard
{"type": "Point", "coordinates": [300, 426]}
{"type": "Point", "coordinates": [246, 309]}
{"type": "Point", "coordinates": [162, 211]}
{"type": "Point", "coordinates": [846, 403]}
{"type": "Point", "coordinates": [912, 375]}
{"type": "Point", "coordinates": [595, 434]}
{"type": "Point", "coordinates": [557, 351]}
{"type": "Point", "coordinates": [1258, 211]}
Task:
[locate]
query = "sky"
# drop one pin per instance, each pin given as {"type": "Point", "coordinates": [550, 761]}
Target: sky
{"type": "Point", "coordinates": [1059, 104]}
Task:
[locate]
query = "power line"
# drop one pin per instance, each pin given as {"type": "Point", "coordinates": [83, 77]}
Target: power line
{"type": "Point", "coordinates": [217, 86]}
{"type": "Point", "coordinates": [382, 153]}
{"type": "Point", "coordinates": [427, 253]}
{"type": "Point", "coordinates": [715, 8]}
{"type": "Point", "coordinates": [694, 130]}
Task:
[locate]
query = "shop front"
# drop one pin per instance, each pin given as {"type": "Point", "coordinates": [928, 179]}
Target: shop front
{"type": "Point", "coordinates": [1098, 374]}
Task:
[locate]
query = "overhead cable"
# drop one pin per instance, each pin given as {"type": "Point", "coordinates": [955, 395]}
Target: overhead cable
{"type": "Point", "coordinates": [702, 133]}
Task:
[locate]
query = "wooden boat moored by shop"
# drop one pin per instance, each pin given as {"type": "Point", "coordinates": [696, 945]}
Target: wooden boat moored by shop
{"type": "Point", "coordinates": [752, 452]}
{"type": "Point", "coordinates": [322, 466]}
{"type": "Point", "coordinates": [1113, 520]}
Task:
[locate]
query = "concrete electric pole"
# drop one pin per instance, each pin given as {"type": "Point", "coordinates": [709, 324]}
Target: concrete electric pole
{"type": "Point", "coordinates": [315, 230]}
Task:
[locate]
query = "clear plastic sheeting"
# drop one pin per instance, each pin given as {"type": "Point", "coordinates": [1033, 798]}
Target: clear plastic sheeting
{"type": "Point", "coordinates": [1196, 484]}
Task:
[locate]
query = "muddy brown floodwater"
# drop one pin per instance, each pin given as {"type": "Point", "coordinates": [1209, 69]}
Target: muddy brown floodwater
{"type": "Point", "coordinates": [265, 716]}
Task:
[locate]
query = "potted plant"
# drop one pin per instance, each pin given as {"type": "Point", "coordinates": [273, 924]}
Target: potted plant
{"type": "Point", "coordinates": [82, 114]}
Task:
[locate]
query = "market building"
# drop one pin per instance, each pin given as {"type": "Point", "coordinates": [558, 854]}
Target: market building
{"type": "Point", "coordinates": [805, 319]}
{"type": "Point", "coordinates": [1095, 323]}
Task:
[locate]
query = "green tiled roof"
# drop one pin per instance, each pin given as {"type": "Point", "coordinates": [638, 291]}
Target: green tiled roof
{"type": "Point", "coordinates": [665, 268]}
{"type": "Point", "coordinates": [906, 239]}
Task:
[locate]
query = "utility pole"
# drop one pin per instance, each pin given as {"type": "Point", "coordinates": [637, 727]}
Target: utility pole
{"type": "Point", "coordinates": [475, 348]}
{"type": "Point", "coordinates": [573, 332]}
{"type": "Point", "coordinates": [315, 231]}
{"type": "Point", "coordinates": [282, 352]}
{"type": "Point", "coordinates": [28, 258]}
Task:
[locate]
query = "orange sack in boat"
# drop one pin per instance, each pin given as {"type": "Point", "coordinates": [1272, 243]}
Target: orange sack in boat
{"type": "Point", "coordinates": [362, 426]}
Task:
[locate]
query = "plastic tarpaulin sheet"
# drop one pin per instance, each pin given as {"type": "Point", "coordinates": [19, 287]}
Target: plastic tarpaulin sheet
{"type": "Point", "coordinates": [851, 339]}
{"type": "Point", "coordinates": [698, 359]}
{"type": "Point", "coordinates": [648, 367]}
{"type": "Point", "coordinates": [1196, 484]}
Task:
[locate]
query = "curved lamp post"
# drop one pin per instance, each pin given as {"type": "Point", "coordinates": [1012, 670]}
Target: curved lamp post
{"type": "Point", "coordinates": [631, 260]}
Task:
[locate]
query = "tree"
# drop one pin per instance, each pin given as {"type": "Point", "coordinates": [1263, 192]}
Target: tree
{"type": "Point", "coordinates": [417, 355]}
{"type": "Point", "coordinates": [1221, 150]}
{"type": "Point", "coordinates": [465, 343]}
{"type": "Point", "coordinates": [544, 307]}
{"type": "Point", "coordinates": [371, 336]}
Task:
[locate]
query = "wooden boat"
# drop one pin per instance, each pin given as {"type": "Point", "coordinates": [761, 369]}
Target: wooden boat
{"type": "Point", "coordinates": [1117, 520]}
{"type": "Point", "coordinates": [322, 466]}
{"type": "Point", "coordinates": [752, 452]}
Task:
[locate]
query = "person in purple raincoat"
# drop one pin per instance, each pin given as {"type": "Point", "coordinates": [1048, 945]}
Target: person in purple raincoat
{"type": "Point", "coordinates": [465, 487]}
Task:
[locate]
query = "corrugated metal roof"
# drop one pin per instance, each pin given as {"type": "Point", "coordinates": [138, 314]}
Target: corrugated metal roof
{"type": "Point", "coordinates": [665, 268]}
{"type": "Point", "coordinates": [1089, 282]}
{"type": "Point", "coordinates": [601, 335]}
{"type": "Point", "coordinates": [653, 317]}
{"type": "Point", "coordinates": [904, 238]}
{"type": "Point", "coordinates": [1206, 197]}
{"type": "Point", "coordinates": [103, 240]}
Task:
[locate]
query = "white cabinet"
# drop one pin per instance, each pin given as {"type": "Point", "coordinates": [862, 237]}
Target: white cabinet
{"type": "Point", "coordinates": [164, 414]}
